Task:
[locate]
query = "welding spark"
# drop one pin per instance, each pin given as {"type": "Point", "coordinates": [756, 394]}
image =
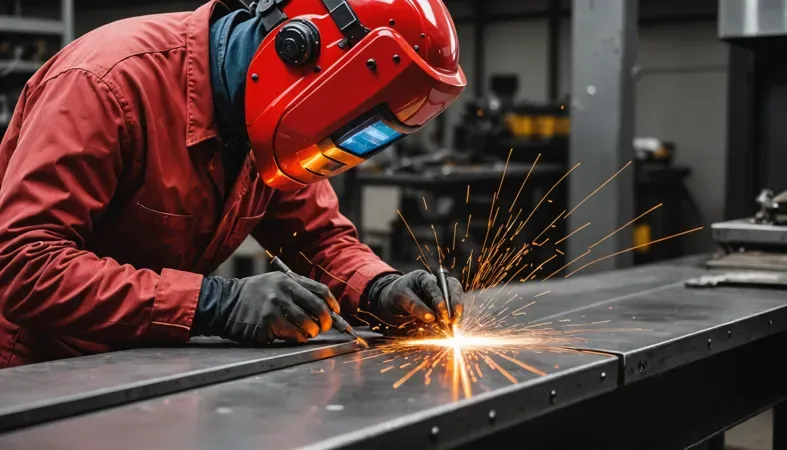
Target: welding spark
{"type": "Point", "coordinates": [463, 353]}
{"type": "Point", "coordinates": [494, 335]}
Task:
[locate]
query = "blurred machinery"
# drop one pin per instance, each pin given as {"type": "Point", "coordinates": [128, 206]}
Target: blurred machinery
{"type": "Point", "coordinates": [754, 234]}
{"type": "Point", "coordinates": [758, 242]}
{"type": "Point", "coordinates": [30, 34]}
{"type": "Point", "coordinates": [491, 127]}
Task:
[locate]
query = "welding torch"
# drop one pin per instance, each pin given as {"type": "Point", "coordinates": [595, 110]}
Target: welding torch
{"type": "Point", "coordinates": [442, 278]}
{"type": "Point", "coordinates": [339, 324]}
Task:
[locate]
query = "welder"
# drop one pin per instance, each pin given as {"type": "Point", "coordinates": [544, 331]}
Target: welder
{"type": "Point", "coordinates": [143, 154]}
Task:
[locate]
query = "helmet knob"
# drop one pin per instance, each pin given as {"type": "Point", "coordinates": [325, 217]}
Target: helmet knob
{"type": "Point", "coordinates": [298, 42]}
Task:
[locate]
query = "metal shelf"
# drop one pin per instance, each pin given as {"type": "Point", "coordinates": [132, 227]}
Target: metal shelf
{"type": "Point", "coordinates": [26, 67]}
{"type": "Point", "coordinates": [14, 24]}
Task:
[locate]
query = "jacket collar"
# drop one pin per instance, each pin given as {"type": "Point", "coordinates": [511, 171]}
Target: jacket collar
{"type": "Point", "coordinates": [200, 118]}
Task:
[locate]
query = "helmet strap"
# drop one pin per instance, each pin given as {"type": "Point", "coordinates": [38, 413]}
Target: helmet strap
{"type": "Point", "coordinates": [271, 13]}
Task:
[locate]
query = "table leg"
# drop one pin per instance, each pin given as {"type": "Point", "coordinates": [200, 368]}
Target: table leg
{"type": "Point", "coordinates": [780, 426]}
{"type": "Point", "coordinates": [716, 442]}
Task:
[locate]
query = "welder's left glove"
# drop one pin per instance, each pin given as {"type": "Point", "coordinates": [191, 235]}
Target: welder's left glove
{"type": "Point", "coordinates": [397, 299]}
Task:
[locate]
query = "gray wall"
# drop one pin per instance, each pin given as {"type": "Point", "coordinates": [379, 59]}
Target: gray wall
{"type": "Point", "coordinates": [681, 95]}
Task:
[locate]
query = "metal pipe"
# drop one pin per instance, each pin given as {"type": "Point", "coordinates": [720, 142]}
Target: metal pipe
{"type": "Point", "coordinates": [67, 12]}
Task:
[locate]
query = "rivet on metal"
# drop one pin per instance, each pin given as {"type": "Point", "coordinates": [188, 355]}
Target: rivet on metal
{"type": "Point", "coordinates": [492, 414]}
{"type": "Point", "coordinates": [423, 35]}
{"type": "Point", "coordinates": [710, 343]}
{"type": "Point", "coordinates": [317, 69]}
{"type": "Point", "coordinates": [603, 376]}
{"type": "Point", "coordinates": [397, 59]}
{"type": "Point", "coordinates": [435, 430]}
{"type": "Point", "coordinates": [343, 43]}
{"type": "Point", "coordinates": [371, 64]}
{"type": "Point", "coordinates": [417, 48]}
{"type": "Point", "coordinates": [729, 333]}
{"type": "Point", "coordinates": [770, 323]}
{"type": "Point", "coordinates": [552, 395]}
{"type": "Point", "coordinates": [391, 22]}
{"type": "Point", "coordinates": [642, 366]}
{"type": "Point", "coordinates": [255, 77]}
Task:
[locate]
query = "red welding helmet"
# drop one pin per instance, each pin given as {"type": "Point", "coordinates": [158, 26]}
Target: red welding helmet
{"type": "Point", "coordinates": [337, 81]}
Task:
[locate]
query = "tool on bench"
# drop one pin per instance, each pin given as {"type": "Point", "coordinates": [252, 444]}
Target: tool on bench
{"type": "Point", "coordinates": [339, 324]}
{"type": "Point", "coordinates": [762, 279]}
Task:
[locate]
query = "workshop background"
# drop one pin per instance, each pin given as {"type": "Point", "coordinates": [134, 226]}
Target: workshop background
{"type": "Point", "coordinates": [517, 55]}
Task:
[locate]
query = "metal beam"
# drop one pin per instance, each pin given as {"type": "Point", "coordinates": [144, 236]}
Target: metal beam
{"type": "Point", "coordinates": [604, 44]}
{"type": "Point", "coordinates": [14, 24]}
{"type": "Point", "coordinates": [480, 31]}
{"type": "Point", "coordinates": [67, 11]}
{"type": "Point", "coordinates": [553, 51]}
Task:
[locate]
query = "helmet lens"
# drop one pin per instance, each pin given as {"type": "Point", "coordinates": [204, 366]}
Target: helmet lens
{"type": "Point", "coordinates": [369, 138]}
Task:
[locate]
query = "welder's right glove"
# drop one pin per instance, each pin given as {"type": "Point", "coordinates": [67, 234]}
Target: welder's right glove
{"type": "Point", "coordinates": [416, 295]}
{"type": "Point", "coordinates": [263, 308]}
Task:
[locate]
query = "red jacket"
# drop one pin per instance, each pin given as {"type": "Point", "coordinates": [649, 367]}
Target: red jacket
{"type": "Point", "coordinates": [112, 201]}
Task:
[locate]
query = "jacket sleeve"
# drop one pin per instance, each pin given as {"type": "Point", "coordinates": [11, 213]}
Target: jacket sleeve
{"type": "Point", "coordinates": [62, 167]}
{"type": "Point", "coordinates": [307, 230]}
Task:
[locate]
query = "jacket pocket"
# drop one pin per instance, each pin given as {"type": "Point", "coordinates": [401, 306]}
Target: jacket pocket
{"type": "Point", "coordinates": [157, 239]}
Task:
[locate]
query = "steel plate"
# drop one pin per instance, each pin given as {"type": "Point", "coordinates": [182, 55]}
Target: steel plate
{"type": "Point", "coordinates": [558, 295]}
{"type": "Point", "coordinates": [661, 323]}
{"type": "Point", "coordinates": [347, 401]}
{"type": "Point", "coordinates": [661, 329]}
{"type": "Point", "coordinates": [744, 231]}
{"type": "Point", "coordinates": [39, 392]}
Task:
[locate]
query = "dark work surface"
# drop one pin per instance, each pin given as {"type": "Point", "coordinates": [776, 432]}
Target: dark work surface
{"type": "Point", "coordinates": [334, 402]}
{"type": "Point", "coordinates": [675, 410]}
{"type": "Point", "coordinates": [38, 392]}
{"type": "Point", "coordinates": [658, 323]}
{"type": "Point", "coordinates": [645, 316]}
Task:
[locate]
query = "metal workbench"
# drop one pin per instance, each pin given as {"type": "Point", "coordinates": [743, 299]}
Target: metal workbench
{"type": "Point", "coordinates": [689, 363]}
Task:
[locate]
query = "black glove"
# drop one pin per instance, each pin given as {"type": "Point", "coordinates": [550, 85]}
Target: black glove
{"type": "Point", "coordinates": [399, 298]}
{"type": "Point", "coordinates": [263, 308]}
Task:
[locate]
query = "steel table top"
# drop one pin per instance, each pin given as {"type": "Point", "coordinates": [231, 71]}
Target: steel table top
{"type": "Point", "coordinates": [39, 392]}
{"type": "Point", "coordinates": [350, 400]}
{"type": "Point", "coordinates": [328, 403]}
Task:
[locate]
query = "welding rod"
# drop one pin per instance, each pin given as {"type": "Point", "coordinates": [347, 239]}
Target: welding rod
{"type": "Point", "coordinates": [442, 276]}
{"type": "Point", "coordinates": [339, 324]}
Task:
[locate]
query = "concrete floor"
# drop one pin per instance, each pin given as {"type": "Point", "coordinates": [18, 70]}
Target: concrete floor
{"type": "Point", "coordinates": [755, 434]}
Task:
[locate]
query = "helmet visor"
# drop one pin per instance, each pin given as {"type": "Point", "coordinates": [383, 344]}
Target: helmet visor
{"type": "Point", "coordinates": [367, 138]}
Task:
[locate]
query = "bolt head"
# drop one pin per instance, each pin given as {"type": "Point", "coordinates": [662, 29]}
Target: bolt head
{"type": "Point", "coordinates": [729, 333]}
{"type": "Point", "coordinates": [710, 343]}
{"type": "Point", "coordinates": [317, 69]}
{"type": "Point", "coordinates": [492, 414]}
{"type": "Point", "coordinates": [371, 64]}
{"type": "Point", "coordinates": [417, 48]}
{"type": "Point", "coordinates": [435, 430]}
{"type": "Point", "coordinates": [397, 59]}
{"type": "Point", "coordinates": [392, 22]}
{"type": "Point", "coordinates": [255, 77]}
{"type": "Point", "coordinates": [603, 376]}
{"type": "Point", "coordinates": [770, 323]}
